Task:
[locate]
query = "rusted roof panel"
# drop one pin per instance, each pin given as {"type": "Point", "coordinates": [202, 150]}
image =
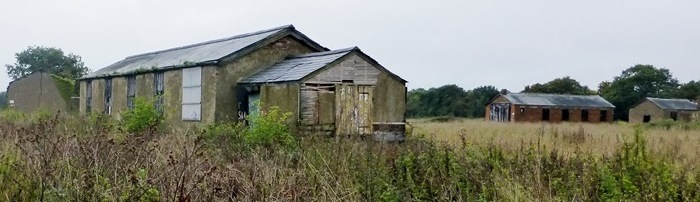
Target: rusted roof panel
{"type": "Point", "coordinates": [674, 104]}
{"type": "Point", "coordinates": [295, 68]}
{"type": "Point", "coordinates": [558, 100]}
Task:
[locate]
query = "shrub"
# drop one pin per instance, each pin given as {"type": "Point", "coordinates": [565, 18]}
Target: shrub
{"type": "Point", "coordinates": [268, 128]}
{"type": "Point", "coordinates": [143, 116]}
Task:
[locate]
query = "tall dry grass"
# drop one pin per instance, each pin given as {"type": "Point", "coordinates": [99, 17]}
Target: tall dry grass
{"type": "Point", "coordinates": [678, 142]}
{"type": "Point", "coordinates": [82, 159]}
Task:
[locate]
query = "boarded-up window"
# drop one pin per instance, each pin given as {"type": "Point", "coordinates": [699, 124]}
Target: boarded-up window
{"type": "Point", "coordinates": [130, 91]}
{"type": "Point", "coordinates": [88, 96]}
{"type": "Point", "coordinates": [192, 94]}
{"type": "Point", "coordinates": [108, 96]}
{"type": "Point", "coordinates": [159, 90]}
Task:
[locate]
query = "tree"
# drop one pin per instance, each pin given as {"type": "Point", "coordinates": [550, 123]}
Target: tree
{"type": "Point", "coordinates": [690, 91]}
{"type": "Point", "coordinates": [3, 100]}
{"type": "Point", "coordinates": [477, 99]}
{"type": "Point", "coordinates": [636, 83]}
{"type": "Point", "coordinates": [50, 60]}
{"type": "Point", "coordinates": [449, 100]}
{"type": "Point", "coordinates": [564, 85]}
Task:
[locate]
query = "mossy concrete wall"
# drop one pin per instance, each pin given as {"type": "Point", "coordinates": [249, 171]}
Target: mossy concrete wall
{"type": "Point", "coordinates": [232, 72]}
{"type": "Point", "coordinates": [118, 96]}
{"type": "Point", "coordinates": [37, 91]}
{"type": "Point", "coordinates": [389, 100]}
{"type": "Point", "coordinates": [285, 96]}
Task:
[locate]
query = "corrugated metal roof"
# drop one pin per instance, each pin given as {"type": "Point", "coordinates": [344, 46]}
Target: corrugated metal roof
{"type": "Point", "coordinates": [558, 100]}
{"type": "Point", "coordinates": [200, 53]}
{"type": "Point", "coordinates": [674, 104]}
{"type": "Point", "coordinates": [295, 68]}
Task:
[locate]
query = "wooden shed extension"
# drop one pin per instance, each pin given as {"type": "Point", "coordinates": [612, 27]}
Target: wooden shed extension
{"type": "Point", "coordinates": [536, 107]}
{"type": "Point", "coordinates": [658, 109]}
{"type": "Point", "coordinates": [341, 92]}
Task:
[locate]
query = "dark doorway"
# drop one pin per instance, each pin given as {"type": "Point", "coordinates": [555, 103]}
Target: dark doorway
{"type": "Point", "coordinates": [603, 115]}
{"type": "Point", "coordinates": [565, 114]}
{"type": "Point", "coordinates": [674, 116]}
{"type": "Point", "coordinates": [647, 118]}
{"type": "Point", "coordinates": [584, 115]}
{"type": "Point", "coordinates": [545, 114]}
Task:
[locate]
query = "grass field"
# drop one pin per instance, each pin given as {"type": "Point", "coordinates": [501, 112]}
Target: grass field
{"type": "Point", "coordinates": [70, 158]}
{"type": "Point", "coordinates": [566, 138]}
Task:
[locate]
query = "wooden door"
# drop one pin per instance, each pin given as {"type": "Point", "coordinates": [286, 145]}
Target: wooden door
{"type": "Point", "coordinates": [353, 109]}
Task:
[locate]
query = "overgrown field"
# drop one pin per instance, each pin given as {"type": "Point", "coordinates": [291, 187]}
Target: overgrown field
{"type": "Point", "coordinates": [56, 158]}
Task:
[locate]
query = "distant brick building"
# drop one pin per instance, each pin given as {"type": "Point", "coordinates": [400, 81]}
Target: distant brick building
{"type": "Point", "coordinates": [657, 109]}
{"type": "Point", "coordinates": [535, 107]}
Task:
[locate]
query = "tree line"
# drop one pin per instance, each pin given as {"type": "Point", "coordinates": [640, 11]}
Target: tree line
{"type": "Point", "coordinates": [623, 91]}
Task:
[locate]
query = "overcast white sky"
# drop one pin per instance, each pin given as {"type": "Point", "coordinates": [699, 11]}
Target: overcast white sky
{"type": "Point", "coordinates": [508, 44]}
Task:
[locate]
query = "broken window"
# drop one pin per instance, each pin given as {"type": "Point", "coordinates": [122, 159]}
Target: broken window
{"type": "Point", "coordinates": [159, 90]}
{"type": "Point", "coordinates": [192, 94]}
{"type": "Point", "coordinates": [108, 96]}
{"type": "Point", "coordinates": [130, 91]}
{"type": "Point", "coordinates": [646, 119]}
{"type": "Point", "coordinates": [88, 96]}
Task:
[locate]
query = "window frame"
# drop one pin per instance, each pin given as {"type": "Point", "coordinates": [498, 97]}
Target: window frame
{"type": "Point", "coordinates": [88, 96]}
{"type": "Point", "coordinates": [158, 93]}
{"type": "Point", "coordinates": [130, 91]}
{"type": "Point", "coordinates": [191, 83]}
{"type": "Point", "coordinates": [108, 96]}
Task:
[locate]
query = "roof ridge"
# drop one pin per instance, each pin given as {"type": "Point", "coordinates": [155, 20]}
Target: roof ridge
{"type": "Point", "coordinates": [556, 94]}
{"type": "Point", "coordinates": [324, 53]}
{"type": "Point", "coordinates": [214, 41]}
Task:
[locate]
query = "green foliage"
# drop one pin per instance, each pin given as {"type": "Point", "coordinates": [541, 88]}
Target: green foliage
{"type": "Point", "coordinates": [12, 115]}
{"type": "Point", "coordinates": [68, 89]}
{"type": "Point", "coordinates": [46, 59]}
{"type": "Point", "coordinates": [449, 100]}
{"type": "Point", "coordinates": [690, 91]}
{"type": "Point", "coordinates": [636, 83]}
{"type": "Point", "coordinates": [4, 103]}
{"type": "Point", "coordinates": [142, 117]}
{"type": "Point", "coordinates": [269, 128]}
{"type": "Point", "coordinates": [564, 85]}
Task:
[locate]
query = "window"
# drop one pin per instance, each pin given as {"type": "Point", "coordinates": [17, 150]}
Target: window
{"type": "Point", "coordinates": [565, 114]}
{"type": "Point", "coordinates": [545, 114]}
{"type": "Point", "coordinates": [88, 96]}
{"type": "Point", "coordinates": [647, 118]}
{"type": "Point", "coordinates": [192, 94]}
{"type": "Point", "coordinates": [522, 110]}
{"type": "Point", "coordinates": [130, 91]}
{"type": "Point", "coordinates": [159, 90]}
{"type": "Point", "coordinates": [108, 96]}
{"type": "Point", "coordinates": [584, 115]}
{"type": "Point", "coordinates": [603, 115]}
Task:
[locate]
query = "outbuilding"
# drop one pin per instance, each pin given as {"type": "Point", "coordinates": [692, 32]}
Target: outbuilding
{"type": "Point", "coordinates": [537, 107]}
{"type": "Point", "coordinates": [658, 109]}
{"type": "Point", "coordinates": [41, 91]}
{"type": "Point", "coordinates": [337, 92]}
